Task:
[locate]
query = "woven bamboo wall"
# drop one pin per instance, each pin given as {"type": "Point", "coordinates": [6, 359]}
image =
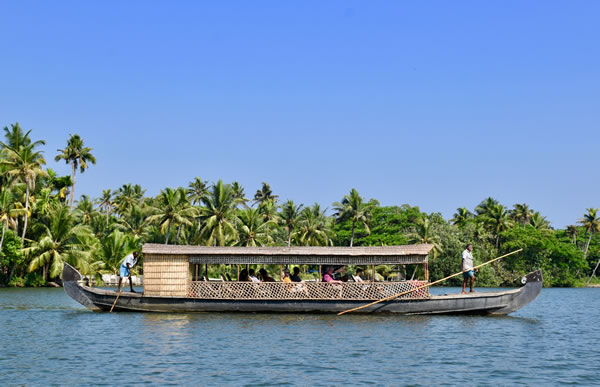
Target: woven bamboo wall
{"type": "Point", "coordinates": [166, 275]}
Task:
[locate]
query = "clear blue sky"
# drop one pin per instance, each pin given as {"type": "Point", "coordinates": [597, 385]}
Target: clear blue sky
{"type": "Point", "coordinates": [432, 103]}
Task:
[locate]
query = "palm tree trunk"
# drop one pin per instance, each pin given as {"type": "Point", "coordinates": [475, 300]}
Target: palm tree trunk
{"type": "Point", "coordinates": [593, 272]}
{"type": "Point", "coordinates": [587, 245]}
{"type": "Point", "coordinates": [289, 238]}
{"type": "Point", "coordinates": [352, 237]}
{"type": "Point", "coordinates": [177, 236]}
{"type": "Point", "coordinates": [72, 186]}
{"type": "Point", "coordinates": [26, 211]}
{"type": "Point", "coordinates": [2, 239]}
{"type": "Point", "coordinates": [168, 234]}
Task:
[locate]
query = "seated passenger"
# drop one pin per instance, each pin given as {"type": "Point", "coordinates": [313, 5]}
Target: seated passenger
{"type": "Point", "coordinates": [296, 276]}
{"type": "Point", "coordinates": [244, 276]}
{"type": "Point", "coordinates": [286, 276]}
{"type": "Point", "coordinates": [358, 276]}
{"type": "Point", "coordinates": [252, 276]}
{"type": "Point", "coordinates": [264, 276]}
{"type": "Point", "coordinates": [328, 276]}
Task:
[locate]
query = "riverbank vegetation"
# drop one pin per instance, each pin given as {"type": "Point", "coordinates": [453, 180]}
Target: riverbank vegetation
{"type": "Point", "coordinates": [43, 226]}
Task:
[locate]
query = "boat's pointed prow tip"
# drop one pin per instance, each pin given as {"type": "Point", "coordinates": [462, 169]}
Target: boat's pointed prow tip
{"type": "Point", "coordinates": [534, 276]}
{"type": "Point", "coordinates": [70, 273]}
{"type": "Point", "coordinates": [532, 287]}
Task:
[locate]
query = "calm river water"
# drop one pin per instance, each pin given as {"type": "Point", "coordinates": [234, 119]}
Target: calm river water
{"type": "Point", "coordinates": [48, 339]}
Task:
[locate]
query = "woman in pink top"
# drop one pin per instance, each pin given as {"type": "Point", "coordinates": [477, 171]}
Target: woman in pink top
{"type": "Point", "coordinates": [328, 276]}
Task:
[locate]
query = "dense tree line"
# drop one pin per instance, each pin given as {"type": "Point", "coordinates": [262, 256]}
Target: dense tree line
{"type": "Point", "coordinates": [43, 226]}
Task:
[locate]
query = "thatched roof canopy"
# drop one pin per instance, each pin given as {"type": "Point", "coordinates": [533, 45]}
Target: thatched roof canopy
{"type": "Point", "coordinates": [407, 254]}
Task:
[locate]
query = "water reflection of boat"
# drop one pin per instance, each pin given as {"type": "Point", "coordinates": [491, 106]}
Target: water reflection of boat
{"type": "Point", "coordinates": [173, 282]}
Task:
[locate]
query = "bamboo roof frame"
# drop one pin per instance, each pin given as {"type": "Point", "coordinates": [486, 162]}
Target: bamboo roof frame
{"type": "Point", "coordinates": [296, 255]}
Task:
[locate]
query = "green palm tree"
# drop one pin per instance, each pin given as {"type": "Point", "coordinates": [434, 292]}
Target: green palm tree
{"type": "Point", "coordinates": [8, 212]}
{"type": "Point", "coordinates": [425, 233]}
{"type": "Point", "coordinates": [497, 220]}
{"type": "Point", "coordinates": [127, 196]}
{"type": "Point", "coordinates": [102, 225]}
{"type": "Point", "coordinates": [197, 189]}
{"type": "Point", "coordinates": [114, 247]}
{"type": "Point", "coordinates": [85, 210]}
{"type": "Point", "coordinates": [238, 194]}
{"type": "Point", "coordinates": [354, 208]}
{"type": "Point", "coordinates": [43, 201]}
{"type": "Point", "coordinates": [218, 216]}
{"type": "Point", "coordinates": [16, 137]}
{"type": "Point", "coordinates": [539, 222]}
{"type": "Point", "coordinates": [58, 184]}
{"type": "Point", "coordinates": [61, 240]}
{"type": "Point", "coordinates": [268, 210]}
{"type": "Point", "coordinates": [135, 222]}
{"type": "Point", "coordinates": [25, 163]}
{"type": "Point", "coordinates": [76, 154]}
{"type": "Point", "coordinates": [172, 208]}
{"type": "Point", "coordinates": [572, 232]}
{"type": "Point", "coordinates": [485, 206]}
{"type": "Point", "coordinates": [264, 193]}
{"type": "Point", "coordinates": [591, 223]}
{"type": "Point", "coordinates": [522, 213]}
{"type": "Point", "coordinates": [253, 229]}
{"type": "Point", "coordinates": [315, 229]}
{"type": "Point", "coordinates": [462, 217]}
{"type": "Point", "coordinates": [105, 201]}
{"type": "Point", "coordinates": [290, 217]}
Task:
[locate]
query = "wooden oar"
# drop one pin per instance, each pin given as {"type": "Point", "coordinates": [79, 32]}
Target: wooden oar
{"type": "Point", "coordinates": [424, 286]}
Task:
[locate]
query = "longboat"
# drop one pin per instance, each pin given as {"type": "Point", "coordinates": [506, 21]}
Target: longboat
{"type": "Point", "coordinates": [173, 282]}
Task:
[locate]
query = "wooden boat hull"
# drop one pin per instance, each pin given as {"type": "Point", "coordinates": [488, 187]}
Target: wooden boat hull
{"type": "Point", "coordinates": [503, 302]}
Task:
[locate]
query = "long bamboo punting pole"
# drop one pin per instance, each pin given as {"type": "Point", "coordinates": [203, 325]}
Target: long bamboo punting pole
{"type": "Point", "coordinates": [424, 286]}
{"type": "Point", "coordinates": [115, 303]}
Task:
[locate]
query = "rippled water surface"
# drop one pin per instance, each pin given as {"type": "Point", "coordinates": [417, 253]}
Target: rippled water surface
{"type": "Point", "coordinates": [49, 339]}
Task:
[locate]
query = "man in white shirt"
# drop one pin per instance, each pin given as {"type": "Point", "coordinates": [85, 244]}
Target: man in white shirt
{"type": "Point", "coordinates": [467, 269]}
{"type": "Point", "coordinates": [125, 270]}
{"type": "Point", "coordinates": [252, 276]}
{"type": "Point", "coordinates": [358, 276]}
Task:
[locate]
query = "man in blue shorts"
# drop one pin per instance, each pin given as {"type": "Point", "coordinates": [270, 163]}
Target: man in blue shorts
{"type": "Point", "coordinates": [467, 269]}
{"type": "Point", "coordinates": [125, 271]}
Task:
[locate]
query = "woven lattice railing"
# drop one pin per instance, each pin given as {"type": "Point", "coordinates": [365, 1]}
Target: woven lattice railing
{"type": "Point", "coordinates": [304, 290]}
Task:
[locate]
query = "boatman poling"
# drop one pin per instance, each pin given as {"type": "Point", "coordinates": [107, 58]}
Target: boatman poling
{"type": "Point", "coordinates": [125, 271]}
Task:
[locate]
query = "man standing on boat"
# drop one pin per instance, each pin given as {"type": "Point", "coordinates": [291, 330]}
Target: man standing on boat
{"type": "Point", "coordinates": [467, 269]}
{"type": "Point", "coordinates": [125, 271]}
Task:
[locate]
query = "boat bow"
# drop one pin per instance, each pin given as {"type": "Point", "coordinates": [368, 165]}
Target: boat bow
{"type": "Point", "coordinates": [533, 283]}
{"type": "Point", "coordinates": [70, 277]}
